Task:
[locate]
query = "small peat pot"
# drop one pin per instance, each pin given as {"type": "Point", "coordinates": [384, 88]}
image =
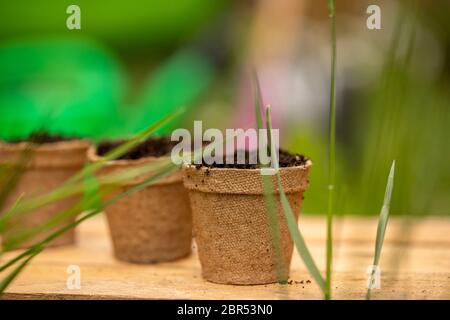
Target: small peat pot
{"type": "Point", "coordinates": [154, 224]}
{"type": "Point", "coordinates": [47, 165]}
{"type": "Point", "coordinates": [231, 222]}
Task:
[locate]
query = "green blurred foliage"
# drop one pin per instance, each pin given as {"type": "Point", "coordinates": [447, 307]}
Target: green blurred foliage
{"type": "Point", "coordinates": [75, 86]}
{"type": "Point", "coordinates": [405, 117]}
{"type": "Point", "coordinates": [136, 23]}
{"type": "Point", "coordinates": [179, 82]}
{"type": "Point", "coordinates": [65, 86]}
{"type": "Point", "coordinates": [65, 82]}
{"type": "Point", "coordinates": [407, 120]}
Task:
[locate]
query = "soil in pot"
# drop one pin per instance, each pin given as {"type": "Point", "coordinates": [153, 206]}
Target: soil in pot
{"type": "Point", "coordinates": [51, 160]}
{"type": "Point", "coordinates": [231, 223]}
{"type": "Point", "coordinates": [43, 137]}
{"type": "Point", "coordinates": [153, 224]}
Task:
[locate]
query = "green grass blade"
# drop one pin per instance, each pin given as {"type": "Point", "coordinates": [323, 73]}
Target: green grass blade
{"type": "Point", "coordinates": [331, 152]}
{"type": "Point", "coordinates": [10, 175]}
{"type": "Point", "coordinates": [271, 208]}
{"type": "Point", "coordinates": [160, 174]}
{"type": "Point", "coordinates": [14, 205]}
{"type": "Point", "coordinates": [123, 148]}
{"type": "Point", "coordinates": [269, 198]}
{"type": "Point", "coordinates": [70, 188]}
{"type": "Point", "coordinates": [35, 249]}
{"type": "Point", "coordinates": [382, 224]}
{"type": "Point", "coordinates": [163, 172]}
{"type": "Point", "coordinates": [112, 181]}
{"type": "Point", "coordinates": [10, 277]}
{"type": "Point", "coordinates": [298, 239]}
{"type": "Point", "coordinates": [331, 6]}
{"type": "Point", "coordinates": [296, 235]}
{"type": "Point", "coordinates": [258, 102]}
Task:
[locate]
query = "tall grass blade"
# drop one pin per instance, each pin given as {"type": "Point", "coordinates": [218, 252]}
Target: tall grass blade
{"type": "Point", "coordinates": [10, 174]}
{"type": "Point", "coordinates": [66, 189]}
{"type": "Point", "coordinates": [296, 235]}
{"type": "Point", "coordinates": [112, 182]}
{"type": "Point", "coordinates": [30, 253]}
{"type": "Point", "coordinates": [269, 198]}
{"type": "Point", "coordinates": [298, 239]}
{"type": "Point", "coordinates": [258, 101]}
{"type": "Point", "coordinates": [271, 207]}
{"type": "Point", "coordinates": [5, 282]}
{"type": "Point", "coordinates": [70, 188]}
{"type": "Point", "coordinates": [331, 152]}
{"type": "Point", "coordinates": [382, 224]}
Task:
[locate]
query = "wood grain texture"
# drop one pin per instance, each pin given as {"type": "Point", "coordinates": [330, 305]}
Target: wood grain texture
{"type": "Point", "coordinates": [415, 264]}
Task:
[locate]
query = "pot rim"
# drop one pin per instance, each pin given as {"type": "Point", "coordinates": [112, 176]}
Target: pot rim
{"type": "Point", "coordinates": [111, 165]}
{"type": "Point", "coordinates": [307, 165]}
{"type": "Point", "coordinates": [243, 181]}
{"type": "Point", "coordinates": [61, 154]}
{"type": "Point", "coordinates": [94, 157]}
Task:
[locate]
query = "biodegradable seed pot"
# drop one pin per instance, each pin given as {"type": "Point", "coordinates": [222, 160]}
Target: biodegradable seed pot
{"type": "Point", "coordinates": [231, 223]}
{"type": "Point", "coordinates": [50, 164]}
{"type": "Point", "coordinates": [155, 223]}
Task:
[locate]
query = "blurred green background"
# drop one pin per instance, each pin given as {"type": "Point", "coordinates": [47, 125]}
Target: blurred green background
{"type": "Point", "coordinates": [133, 62]}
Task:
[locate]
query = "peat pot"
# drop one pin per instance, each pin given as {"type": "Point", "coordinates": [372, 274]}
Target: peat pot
{"type": "Point", "coordinates": [48, 166]}
{"type": "Point", "coordinates": [231, 225]}
{"type": "Point", "coordinates": [153, 224]}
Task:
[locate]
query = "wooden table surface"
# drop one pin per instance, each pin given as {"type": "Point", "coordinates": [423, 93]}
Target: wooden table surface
{"type": "Point", "coordinates": [415, 264]}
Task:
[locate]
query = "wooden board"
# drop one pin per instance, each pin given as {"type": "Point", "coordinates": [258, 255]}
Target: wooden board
{"type": "Point", "coordinates": [415, 264]}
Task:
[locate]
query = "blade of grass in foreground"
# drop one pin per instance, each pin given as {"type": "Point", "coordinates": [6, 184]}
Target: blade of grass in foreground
{"type": "Point", "coordinates": [10, 175]}
{"type": "Point", "coordinates": [88, 214]}
{"type": "Point", "coordinates": [30, 253]}
{"type": "Point", "coordinates": [382, 224]}
{"type": "Point", "coordinates": [269, 197]}
{"type": "Point", "coordinates": [296, 235]}
{"type": "Point", "coordinates": [10, 277]}
{"type": "Point", "coordinates": [257, 97]}
{"type": "Point", "coordinates": [111, 182]}
{"type": "Point", "coordinates": [331, 152]}
{"type": "Point", "coordinates": [34, 250]}
{"type": "Point", "coordinates": [69, 188]}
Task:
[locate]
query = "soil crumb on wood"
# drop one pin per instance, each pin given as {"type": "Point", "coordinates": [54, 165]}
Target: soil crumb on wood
{"type": "Point", "coordinates": [286, 159]}
{"type": "Point", "coordinates": [152, 147]}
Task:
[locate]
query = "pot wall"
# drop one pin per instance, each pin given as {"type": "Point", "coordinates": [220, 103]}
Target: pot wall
{"type": "Point", "coordinates": [231, 224]}
{"type": "Point", "coordinates": [153, 224]}
{"type": "Point", "coordinates": [49, 166]}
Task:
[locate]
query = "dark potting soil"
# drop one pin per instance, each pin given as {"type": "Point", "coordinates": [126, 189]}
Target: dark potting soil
{"type": "Point", "coordinates": [43, 137]}
{"type": "Point", "coordinates": [152, 147]}
{"type": "Point", "coordinates": [162, 146]}
{"type": "Point", "coordinates": [286, 159]}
